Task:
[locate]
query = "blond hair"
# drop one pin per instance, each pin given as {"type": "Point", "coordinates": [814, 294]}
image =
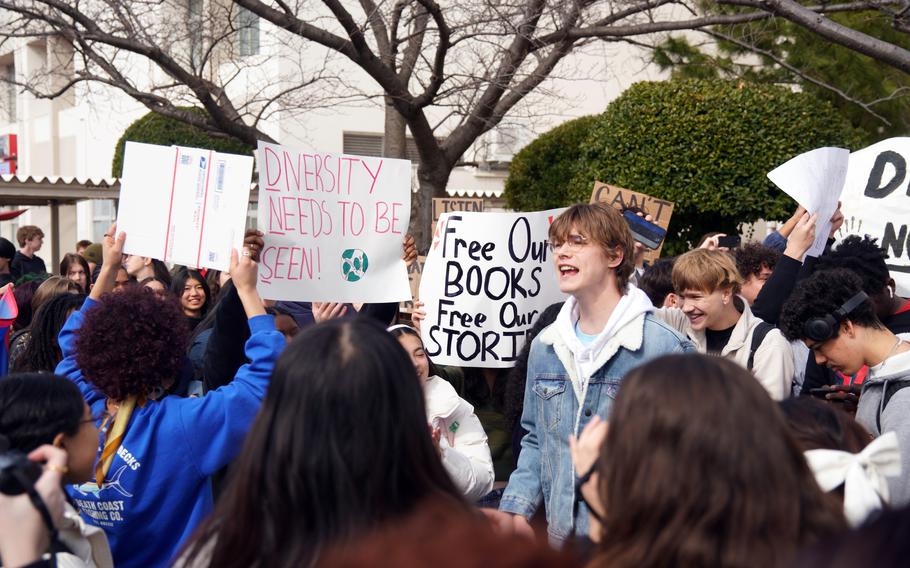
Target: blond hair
{"type": "Point", "coordinates": [706, 271]}
{"type": "Point", "coordinates": [602, 225]}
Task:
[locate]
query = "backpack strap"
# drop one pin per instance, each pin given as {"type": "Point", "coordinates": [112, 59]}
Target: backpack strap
{"type": "Point", "coordinates": [893, 387]}
{"type": "Point", "coordinates": [761, 330]}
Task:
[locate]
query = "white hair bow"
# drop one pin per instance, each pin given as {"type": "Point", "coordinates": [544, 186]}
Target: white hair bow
{"type": "Point", "coordinates": [863, 474]}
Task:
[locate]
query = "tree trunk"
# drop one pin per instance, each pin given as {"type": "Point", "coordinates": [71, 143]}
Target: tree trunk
{"type": "Point", "coordinates": [432, 183]}
{"type": "Point", "coordinates": [394, 138]}
{"type": "Point", "coordinates": [432, 176]}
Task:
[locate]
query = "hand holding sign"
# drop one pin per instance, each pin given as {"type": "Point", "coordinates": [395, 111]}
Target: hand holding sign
{"type": "Point", "coordinates": [801, 237]}
{"type": "Point", "coordinates": [325, 311]}
{"type": "Point", "coordinates": [410, 249]}
{"type": "Point", "coordinates": [112, 247]}
{"type": "Point", "coordinates": [253, 242]}
{"type": "Point", "coordinates": [815, 179]}
{"type": "Point", "coordinates": [243, 272]}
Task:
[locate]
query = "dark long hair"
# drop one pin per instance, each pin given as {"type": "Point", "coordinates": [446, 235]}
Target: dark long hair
{"type": "Point", "coordinates": [35, 407]}
{"type": "Point", "coordinates": [699, 469]}
{"type": "Point", "coordinates": [42, 352]}
{"type": "Point", "coordinates": [818, 425]}
{"type": "Point", "coordinates": [340, 446]}
{"type": "Point", "coordinates": [179, 282]}
{"type": "Point", "coordinates": [161, 272]}
{"type": "Point", "coordinates": [399, 330]}
{"type": "Point", "coordinates": [68, 260]}
{"type": "Point", "coordinates": [23, 293]}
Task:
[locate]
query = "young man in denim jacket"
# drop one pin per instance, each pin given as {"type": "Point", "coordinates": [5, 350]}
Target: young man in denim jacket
{"type": "Point", "coordinates": [577, 364]}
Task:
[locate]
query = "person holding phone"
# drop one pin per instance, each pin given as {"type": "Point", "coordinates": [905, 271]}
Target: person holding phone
{"type": "Point", "coordinates": [646, 235]}
{"type": "Point", "coordinates": [837, 321]}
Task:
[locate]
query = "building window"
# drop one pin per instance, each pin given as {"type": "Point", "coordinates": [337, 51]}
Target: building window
{"type": "Point", "coordinates": [102, 216]}
{"type": "Point", "coordinates": [371, 145]}
{"type": "Point", "coordinates": [195, 26]}
{"type": "Point", "coordinates": [8, 112]}
{"type": "Point", "coordinates": [247, 32]}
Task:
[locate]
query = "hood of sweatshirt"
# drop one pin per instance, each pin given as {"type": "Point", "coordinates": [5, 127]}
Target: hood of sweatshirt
{"type": "Point", "coordinates": [624, 328]}
{"type": "Point", "coordinates": [895, 367]}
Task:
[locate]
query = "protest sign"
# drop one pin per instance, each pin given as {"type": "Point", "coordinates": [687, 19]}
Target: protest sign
{"type": "Point", "coordinates": [621, 198]}
{"type": "Point", "coordinates": [452, 204]}
{"type": "Point", "coordinates": [876, 202]}
{"type": "Point", "coordinates": [415, 269]}
{"type": "Point", "coordinates": [487, 278]}
{"type": "Point", "coordinates": [334, 226]}
{"type": "Point", "coordinates": [183, 205]}
{"type": "Point", "coordinates": [815, 180]}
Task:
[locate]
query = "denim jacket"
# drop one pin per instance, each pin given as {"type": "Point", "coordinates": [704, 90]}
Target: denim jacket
{"type": "Point", "coordinates": [545, 473]}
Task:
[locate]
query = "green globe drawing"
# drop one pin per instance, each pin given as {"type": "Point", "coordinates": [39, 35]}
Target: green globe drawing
{"type": "Point", "coordinates": [354, 264]}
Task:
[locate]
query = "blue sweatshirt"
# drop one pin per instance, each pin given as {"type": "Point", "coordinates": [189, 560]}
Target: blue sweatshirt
{"type": "Point", "coordinates": [157, 489]}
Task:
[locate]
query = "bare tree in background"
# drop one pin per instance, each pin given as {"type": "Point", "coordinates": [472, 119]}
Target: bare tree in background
{"type": "Point", "coordinates": [447, 76]}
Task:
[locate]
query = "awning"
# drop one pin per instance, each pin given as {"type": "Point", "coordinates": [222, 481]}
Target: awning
{"type": "Point", "coordinates": [28, 190]}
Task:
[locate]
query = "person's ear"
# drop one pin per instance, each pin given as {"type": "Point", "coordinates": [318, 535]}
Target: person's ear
{"type": "Point", "coordinates": [847, 328]}
{"type": "Point", "coordinates": [58, 441]}
{"type": "Point", "coordinates": [617, 257]}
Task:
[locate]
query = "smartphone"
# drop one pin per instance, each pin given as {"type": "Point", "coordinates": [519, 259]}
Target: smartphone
{"type": "Point", "coordinates": [647, 233]}
{"type": "Point", "coordinates": [730, 241]}
{"type": "Point", "coordinates": [820, 392]}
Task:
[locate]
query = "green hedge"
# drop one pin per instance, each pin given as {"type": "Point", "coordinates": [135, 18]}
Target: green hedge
{"type": "Point", "coordinates": [540, 173]}
{"type": "Point", "coordinates": [154, 128]}
{"type": "Point", "coordinates": [706, 145]}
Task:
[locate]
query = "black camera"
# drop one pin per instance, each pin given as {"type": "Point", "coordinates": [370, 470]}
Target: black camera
{"type": "Point", "coordinates": [17, 472]}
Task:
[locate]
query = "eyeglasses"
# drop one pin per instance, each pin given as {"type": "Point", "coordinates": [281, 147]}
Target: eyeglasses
{"type": "Point", "coordinates": [573, 242]}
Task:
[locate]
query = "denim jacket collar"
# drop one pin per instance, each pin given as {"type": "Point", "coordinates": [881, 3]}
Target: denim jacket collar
{"type": "Point", "coordinates": [626, 331]}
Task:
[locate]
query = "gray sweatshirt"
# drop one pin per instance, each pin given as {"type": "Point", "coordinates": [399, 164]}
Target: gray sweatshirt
{"type": "Point", "coordinates": [895, 416]}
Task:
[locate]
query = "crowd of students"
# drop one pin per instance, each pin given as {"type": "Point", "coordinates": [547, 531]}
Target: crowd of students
{"type": "Point", "coordinates": [720, 408]}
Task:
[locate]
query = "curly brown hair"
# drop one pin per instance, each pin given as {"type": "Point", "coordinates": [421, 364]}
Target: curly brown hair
{"type": "Point", "coordinates": [751, 257]}
{"type": "Point", "coordinates": [131, 342]}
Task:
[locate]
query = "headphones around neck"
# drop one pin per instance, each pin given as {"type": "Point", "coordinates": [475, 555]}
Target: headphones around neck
{"type": "Point", "coordinates": [824, 328]}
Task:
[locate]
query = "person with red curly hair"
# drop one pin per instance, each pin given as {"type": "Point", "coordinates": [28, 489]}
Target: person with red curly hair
{"type": "Point", "coordinates": [151, 485]}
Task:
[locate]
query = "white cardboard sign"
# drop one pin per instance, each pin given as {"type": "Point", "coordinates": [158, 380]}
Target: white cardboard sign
{"type": "Point", "coordinates": [487, 278]}
{"type": "Point", "coordinates": [876, 202]}
{"type": "Point", "coordinates": [815, 180]}
{"type": "Point", "coordinates": [334, 226]}
{"type": "Point", "coordinates": [183, 205]}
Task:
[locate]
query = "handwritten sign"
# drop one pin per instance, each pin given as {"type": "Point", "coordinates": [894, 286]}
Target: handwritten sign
{"type": "Point", "coordinates": [183, 205]}
{"type": "Point", "coordinates": [452, 204]}
{"type": "Point", "coordinates": [621, 198]}
{"type": "Point", "coordinates": [415, 270]}
{"type": "Point", "coordinates": [334, 226]}
{"type": "Point", "coordinates": [876, 202]}
{"type": "Point", "coordinates": [487, 278]}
